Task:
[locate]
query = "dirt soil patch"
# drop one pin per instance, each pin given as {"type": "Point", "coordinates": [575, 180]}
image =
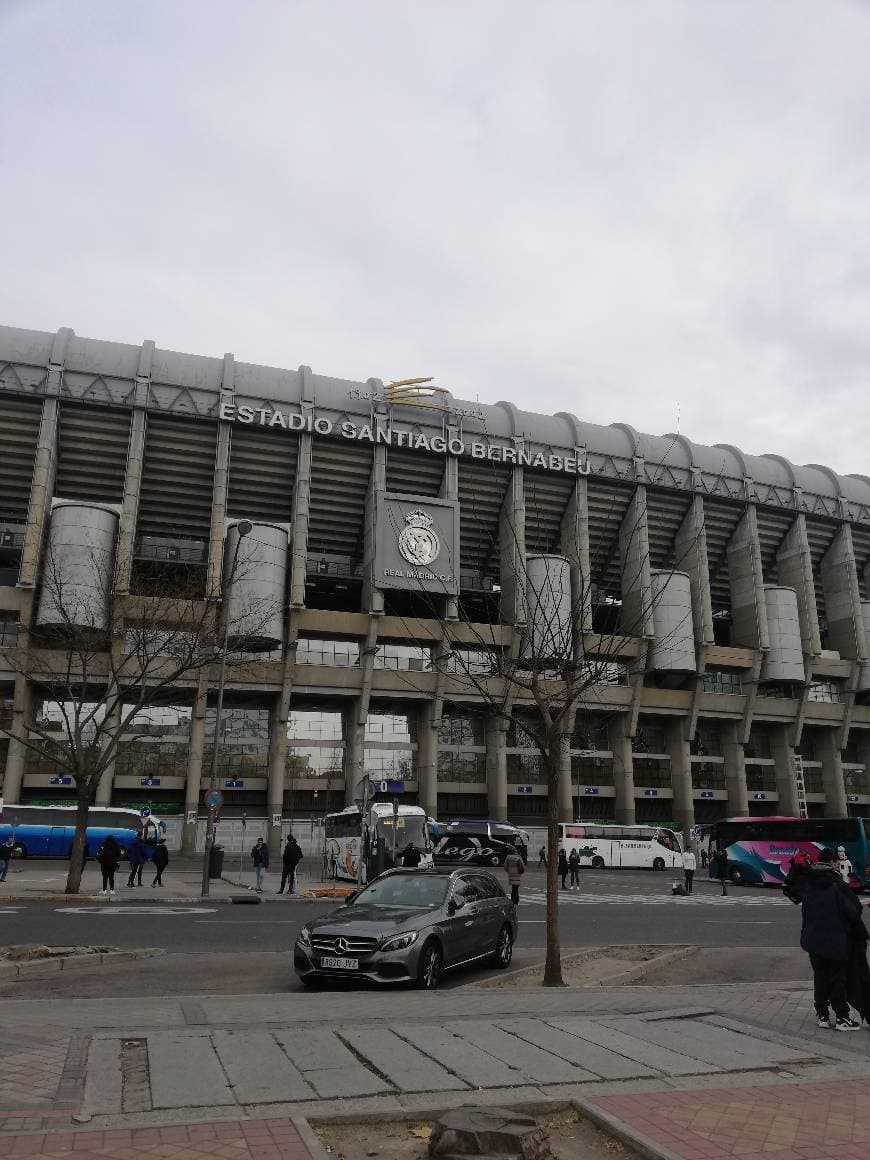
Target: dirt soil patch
{"type": "Point", "coordinates": [571, 1138]}
{"type": "Point", "coordinates": [736, 965]}
{"type": "Point", "coordinates": [30, 953]}
{"type": "Point", "coordinates": [595, 967]}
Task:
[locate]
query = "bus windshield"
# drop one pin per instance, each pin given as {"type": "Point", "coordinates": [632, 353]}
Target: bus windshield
{"type": "Point", "coordinates": [761, 849]}
{"type": "Point", "coordinates": [408, 830]}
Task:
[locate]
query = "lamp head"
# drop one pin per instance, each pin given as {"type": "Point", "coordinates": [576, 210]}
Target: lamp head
{"type": "Point", "coordinates": [244, 527]}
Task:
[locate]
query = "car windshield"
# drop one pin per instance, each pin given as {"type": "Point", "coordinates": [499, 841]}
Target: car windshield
{"type": "Point", "coordinates": [413, 890]}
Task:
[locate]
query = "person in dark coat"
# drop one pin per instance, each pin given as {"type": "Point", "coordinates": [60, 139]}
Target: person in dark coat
{"type": "Point", "coordinates": [574, 867]}
{"type": "Point", "coordinates": [109, 859]}
{"type": "Point", "coordinates": [161, 861]}
{"type": "Point", "coordinates": [719, 868]}
{"type": "Point", "coordinates": [515, 868]}
{"type": "Point", "coordinates": [137, 856]}
{"type": "Point", "coordinates": [858, 972]}
{"type": "Point", "coordinates": [411, 857]}
{"type": "Point", "coordinates": [563, 867]}
{"type": "Point", "coordinates": [542, 858]}
{"type": "Point", "coordinates": [290, 859]}
{"type": "Point", "coordinates": [260, 858]}
{"type": "Point", "coordinates": [831, 915]}
{"type": "Point", "coordinates": [5, 854]}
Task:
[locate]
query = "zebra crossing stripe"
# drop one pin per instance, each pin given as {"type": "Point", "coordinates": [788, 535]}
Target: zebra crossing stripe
{"type": "Point", "coordinates": [538, 897]}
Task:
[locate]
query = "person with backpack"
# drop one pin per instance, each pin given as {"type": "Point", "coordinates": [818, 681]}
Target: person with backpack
{"type": "Point", "coordinates": [515, 868]}
{"type": "Point", "coordinates": [260, 858]}
{"type": "Point", "coordinates": [290, 859]}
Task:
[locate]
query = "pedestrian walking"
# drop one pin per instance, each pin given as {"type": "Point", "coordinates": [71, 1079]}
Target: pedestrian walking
{"type": "Point", "coordinates": [845, 865]}
{"type": "Point", "coordinates": [542, 858]}
{"type": "Point", "coordinates": [260, 858]}
{"type": "Point", "coordinates": [563, 867]}
{"type": "Point", "coordinates": [290, 859]}
{"type": "Point", "coordinates": [689, 867]}
{"type": "Point", "coordinates": [161, 861]}
{"type": "Point", "coordinates": [137, 856]}
{"type": "Point", "coordinates": [719, 868]}
{"type": "Point", "coordinates": [109, 859]}
{"type": "Point", "coordinates": [574, 867]}
{"type": "Point", "coordinates": [5, 855]}
{"type": "Point", "coordinates": [515, 868]}
{"type": "Point", "coordinates": [703, 858]}
{"type": "Point", "coordinates": [831, 918]}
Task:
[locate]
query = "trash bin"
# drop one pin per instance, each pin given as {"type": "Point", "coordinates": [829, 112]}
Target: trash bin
{"type": "Point", "coordinates": [216, 862]}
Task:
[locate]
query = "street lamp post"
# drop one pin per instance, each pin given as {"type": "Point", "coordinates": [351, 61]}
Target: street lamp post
{"type": "Point", "coordinates": [243, 528]}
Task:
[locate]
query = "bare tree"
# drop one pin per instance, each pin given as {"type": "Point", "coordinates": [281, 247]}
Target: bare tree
{"type": "Point", "coordinates": [97, 663]}
{"type": "Point", "coordinates": [555, 665]}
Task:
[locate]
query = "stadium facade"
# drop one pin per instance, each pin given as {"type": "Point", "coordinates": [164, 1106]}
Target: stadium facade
{"type": "Point", "coordinates": [162, 451]}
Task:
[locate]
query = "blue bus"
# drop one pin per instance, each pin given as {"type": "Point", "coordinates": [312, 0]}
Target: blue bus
{"type": "Point", "coordinates": [47, 831]}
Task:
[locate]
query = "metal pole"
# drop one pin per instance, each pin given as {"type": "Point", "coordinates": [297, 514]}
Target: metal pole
{"type": "Point", "coordinates": [243, 528]}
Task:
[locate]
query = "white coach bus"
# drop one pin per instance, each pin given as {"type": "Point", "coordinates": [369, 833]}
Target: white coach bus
{"type": "Point", "coordinates": [628, 847]}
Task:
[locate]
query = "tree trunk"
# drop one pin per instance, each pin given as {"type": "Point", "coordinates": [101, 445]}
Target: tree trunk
{"type": "Point", "coordinates": [553, 964]}
{"type": "Point", "coordinates": [84, 794]}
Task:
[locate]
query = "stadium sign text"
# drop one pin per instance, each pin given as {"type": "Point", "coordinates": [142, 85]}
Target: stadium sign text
{"type": "Point", "coordinates": [396, 437]}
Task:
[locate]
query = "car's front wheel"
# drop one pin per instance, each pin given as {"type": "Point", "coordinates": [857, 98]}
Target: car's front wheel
{"type": "Point", "coordinates": [658, 864]}
{"type": "Point", "coordinates": [504, 949]}
{"type": "Point", "coordinates": [430, 966]}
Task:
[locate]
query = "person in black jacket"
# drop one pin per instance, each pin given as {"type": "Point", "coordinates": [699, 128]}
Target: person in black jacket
{"type": "Point", "coordinates": [831, 915]}
{"type": "Point", "coordinates": [563, 866]}
{"type": "Point", "coordinates": [161, 861]}
{"type": "Point", "coordinates": [411, 857]}
{"type": "Point", "coordinates": [290, 859]}
{"type": "Point", "coordinates": [109, 859]}
{"type": "Point", "coordinates": [260, 858]}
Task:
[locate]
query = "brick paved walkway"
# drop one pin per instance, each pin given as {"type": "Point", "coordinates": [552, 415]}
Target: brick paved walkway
{"type": "Point", "coordinates": [248, 1140]}
{"type": "Point", "coordinates": [820, 1121]}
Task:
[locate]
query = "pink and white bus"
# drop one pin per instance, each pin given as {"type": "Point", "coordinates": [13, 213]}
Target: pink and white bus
{"type": "Point", "coordinates": [760, 850]}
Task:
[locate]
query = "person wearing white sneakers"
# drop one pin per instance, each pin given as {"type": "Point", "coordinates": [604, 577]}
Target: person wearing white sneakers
{"type": "Point", "coordinates": [830, 914]}
{"type": "Point", "coordinates": [109, 859]}
{"type": "Point", "coordinates": [690, 865]}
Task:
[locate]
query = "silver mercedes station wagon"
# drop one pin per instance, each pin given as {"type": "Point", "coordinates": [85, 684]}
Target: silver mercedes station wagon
{"type": "Point", "coordinates": [410, 926]}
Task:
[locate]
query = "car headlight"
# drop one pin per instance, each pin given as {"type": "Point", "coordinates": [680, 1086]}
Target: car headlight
{"type": "Point", "coordinates": [399, 942]}
{"type": "Point", "coordinates": [305, 936]}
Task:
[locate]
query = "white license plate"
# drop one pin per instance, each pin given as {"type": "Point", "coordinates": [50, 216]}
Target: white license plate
{"type": "Point", "coordinates": [334, 964]}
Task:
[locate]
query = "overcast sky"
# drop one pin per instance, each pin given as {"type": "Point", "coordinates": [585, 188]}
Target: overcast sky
{"type": "Point", "coordinates": [653, 212]}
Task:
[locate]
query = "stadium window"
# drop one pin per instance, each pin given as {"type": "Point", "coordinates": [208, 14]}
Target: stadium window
{"type": "Point", "coordinates": [824, 692]}
{"type": "Point", "coordinates": [722, 681]}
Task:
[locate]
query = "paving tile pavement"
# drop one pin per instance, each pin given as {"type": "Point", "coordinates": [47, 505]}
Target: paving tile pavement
{"type": "Point", "coordinates": [230, 1140]}
{"type": "Point", "coordinates": [802, 1121]}
{"type": "Point", "coordinates": [31, 1073]}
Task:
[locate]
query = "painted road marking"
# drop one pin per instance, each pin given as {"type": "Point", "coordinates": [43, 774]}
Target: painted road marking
{"type": "Point", "coordinates": [137, 910]}
{"type": "Point", "coordinates": [538, 897]}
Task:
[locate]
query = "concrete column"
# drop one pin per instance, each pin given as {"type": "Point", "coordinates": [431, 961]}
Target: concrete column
{"type": "Point", "coordinates": [22, 706]}
{"type": "Point", "coordinates": [828, 752]}
{"type": "Point", "coordinates": [690, 550]}
{"type": "Point", "coordinates": [354, 751]}
{"type": "Point", "coordinates": [566, 795]}
{"type": "Point", "coordinates": [574, 543]}
{"type": "Point", "coordinates": [372, 596]}
{"type": "Point", "coordinates": [192, 793]}
{"type": "Point", "coordinates": [496, 768]}
{"type": "Point", "coordinates": [104, 789]}
{"type": "Point", "coordinates": [637, 612]}
{"type": "Point", "coordinates": [512, 551]}
{"type": "Point", "coordinates": [794, 566]}
{"type": "Point", "coordinates": [681, 775]}
{"type": "Point", "coordinates": [623, 768]}
{"type": "Point", "coordinates": [427, 759]}
{"type": "Point", "coordinates": [748, 608]}
{"type": "Point", "coordinates": [450, 490]}
{"type": "Point", "coordinates": [783, 756]}
{"type": "Point", "coordinates": [133, 472]}
{"type": "Point", "coordinates": [735, 769]}
{"type": "Point", "coordinates": [843, 597]}
{"type": "Point", "coordinates": [301, 516]}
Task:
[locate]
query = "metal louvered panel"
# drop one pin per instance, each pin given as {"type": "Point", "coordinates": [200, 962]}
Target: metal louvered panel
{"type": "Point", "coordinates": [607, 508]}
{"type": "Point", "coordinates": [19, 434]}
{"type": "Point", "coordinates": [92, 453]}
{"type": "Point", "coordinates": [547, 495]}
{"type": "Point", "coordinates": [262, 475]}
{"type": "Point", "coordinates": [482, 488]}
{"type": "Point", "coordinates": [414, 473]}
{"type": "Point", "coordinates": [177, 478]}
{"type": "Point", "coordinates": [340, 475]}
{"type": "Point", "coordinates": [666, 511]}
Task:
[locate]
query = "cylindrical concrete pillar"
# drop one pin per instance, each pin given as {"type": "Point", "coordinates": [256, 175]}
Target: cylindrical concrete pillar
{"type": "Point", "coordinates": [496, 769]}
{"type": "Point", "coordinates": [623, 769]}
{"type": "Point", "coordinates": [427, 760]}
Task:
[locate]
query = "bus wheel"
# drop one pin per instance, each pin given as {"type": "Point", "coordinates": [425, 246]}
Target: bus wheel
{"type": "Point", "coordinates": [737, 877]}
{"type": "Point", "coordinates": [597, 862]}
{"type": "Point", "coordinates": [19, 851]}
{"type": "Point", "coordinates": [429, 968]}
{"type": "Point", "coordinates": [494, 860]}
{"type": "Point", "coordinates": [658, 863]}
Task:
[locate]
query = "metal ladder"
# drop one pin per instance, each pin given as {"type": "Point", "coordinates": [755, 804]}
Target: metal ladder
{"type": "Point", "coordinates": [799, 782]}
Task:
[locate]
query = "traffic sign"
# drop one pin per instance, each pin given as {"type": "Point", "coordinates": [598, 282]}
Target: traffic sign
{"type": "Point", "coordinates": [213, 799]}
{"type": "Point", "coordinates": [524, 789]}
{"type": "Point", "coordinates": [145, 812]}
{"type": "Point", "coordinates": [391, 785]}
{"type": "Point", "coordinates": [591, 790]}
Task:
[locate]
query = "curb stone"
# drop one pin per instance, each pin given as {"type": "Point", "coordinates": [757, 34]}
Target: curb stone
{"type": "Point", "coordinates": [37, 967]}
{"type": "Point", "coordinates": [629, 975]}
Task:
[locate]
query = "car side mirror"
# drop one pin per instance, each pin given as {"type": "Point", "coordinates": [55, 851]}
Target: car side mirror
{"type": "Point", "coordinates": [452, 906]}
